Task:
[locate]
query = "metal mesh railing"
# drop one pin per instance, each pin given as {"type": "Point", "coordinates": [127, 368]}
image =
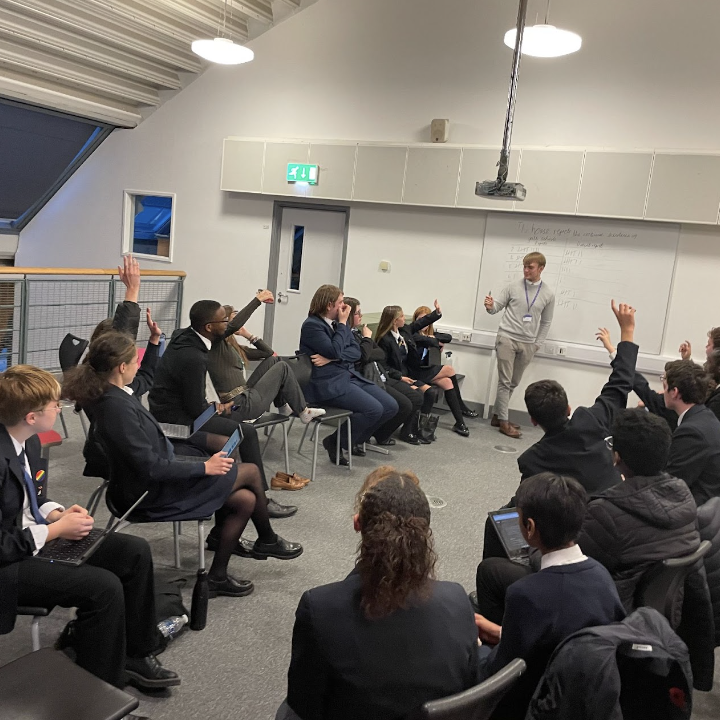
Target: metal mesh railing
{"type": "Point", "coordinates": [37, 311]}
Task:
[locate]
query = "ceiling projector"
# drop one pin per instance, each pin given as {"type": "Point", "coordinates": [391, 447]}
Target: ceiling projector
{"type": "Point", "coordinates": [497, 190]}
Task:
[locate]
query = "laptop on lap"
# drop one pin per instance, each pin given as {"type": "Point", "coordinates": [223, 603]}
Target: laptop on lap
{"type": "Point", "coordinates": [76, 552]}
{"type": "Point", "coordinates": [506, 526]}
{"type": "Point", "coordinates": [173, 431]}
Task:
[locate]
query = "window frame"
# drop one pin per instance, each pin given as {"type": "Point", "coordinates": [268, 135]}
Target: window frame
{"type": "Point", "coordinates": [128, 224]}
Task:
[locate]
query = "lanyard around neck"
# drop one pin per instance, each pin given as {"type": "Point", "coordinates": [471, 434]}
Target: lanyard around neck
{"type": "Point", "coordinates": [527, 299]}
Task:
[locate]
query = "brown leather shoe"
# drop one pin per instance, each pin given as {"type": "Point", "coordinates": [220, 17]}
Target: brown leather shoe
{"type": "Point", "coordinates": [496, 423]}
{"type": "Point", "coordinates": [278, 483]}
{"type": "Point", "coordinates": [507, 428]}
{"type": "Point", "coordinates": [297, 479]}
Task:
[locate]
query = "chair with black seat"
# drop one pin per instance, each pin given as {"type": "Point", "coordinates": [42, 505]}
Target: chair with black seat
{"type": "Point", "coordinates": [47, 685]}
{"type": "Point", "coordinates": [71, 350]}
{"type": "Point", "coordinates": [301, 365]}
{"type": "Point", "coordinates": [35, 613]}
{"type": "Point", "coordinates": [661, 587]}
{"type": "Point", "coordinates": [476, 703]}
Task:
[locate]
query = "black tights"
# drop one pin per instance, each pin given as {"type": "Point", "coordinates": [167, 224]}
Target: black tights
{"type": "Point", "coordinates": [246, 501]}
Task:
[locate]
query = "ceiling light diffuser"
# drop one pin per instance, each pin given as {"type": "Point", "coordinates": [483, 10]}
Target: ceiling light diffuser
{"type": "Point", "coordinates": [545, 41]}
{"type": "Point", "coordinates": [223, 51]}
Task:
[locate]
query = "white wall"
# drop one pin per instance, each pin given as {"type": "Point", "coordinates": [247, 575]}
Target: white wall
{"type": "Point", "coordinates": [379, 70]}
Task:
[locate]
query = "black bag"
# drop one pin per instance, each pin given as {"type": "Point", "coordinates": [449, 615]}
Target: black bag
{"type": "Point", "coordinates": [168, 603]}
{"type": "Point", "coordinates": [427, 424]}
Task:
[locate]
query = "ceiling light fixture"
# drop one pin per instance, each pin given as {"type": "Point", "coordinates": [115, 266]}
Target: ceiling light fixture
{"type": "Point", "coordinates": [545, 40]}
{"type": "Point", "coordinates": [222, 49]}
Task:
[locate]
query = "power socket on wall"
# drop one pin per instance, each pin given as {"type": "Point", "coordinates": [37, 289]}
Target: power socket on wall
{"type": "Point", "coordinates": [466, 337]}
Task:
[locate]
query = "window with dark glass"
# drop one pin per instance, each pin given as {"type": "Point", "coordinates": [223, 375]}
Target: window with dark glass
{"type": "Point", "coordinates": [39, 150]}
{"type": "Point", "coordinates": [296, 266]}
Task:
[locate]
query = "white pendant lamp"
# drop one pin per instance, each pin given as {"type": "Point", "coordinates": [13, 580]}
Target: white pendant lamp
{"type": "Point", "coordinates": [545, 40]}
{"type": "Point", "coordinates": [223, 50]}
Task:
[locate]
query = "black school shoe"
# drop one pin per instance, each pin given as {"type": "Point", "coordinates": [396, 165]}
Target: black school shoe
{"type": "Point", "coordinates": [461, 429]}
{"type": "Point", "coordinates": [229, 587]}
{"type": "Point", "coordinates": [281, 549]}
{"type": "Point", "coordinates": [411, 439]}
{"type": "Point", "coordinates": [467, 412]}
{"type": "Point", "coordinates": [388, 442]}
{"type": "Point", "coordinates": [243, 548]}
{"type": "Point", "coordinates": [331, 448]}
{"type": "Point", "coordinates": [359, 451]}
{"type": "Point", "coordinates": [278, 511]}
{"type": "Point", "coordinates": [147, 673]}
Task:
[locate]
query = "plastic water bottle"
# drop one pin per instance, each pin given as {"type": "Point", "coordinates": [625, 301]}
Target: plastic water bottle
{"type": "Point", "coordinates": [448, 358]}
{"type": "Point", "coordinates": [172, 626]}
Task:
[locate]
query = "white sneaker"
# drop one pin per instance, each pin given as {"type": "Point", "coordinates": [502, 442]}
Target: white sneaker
{"type": "Point", "coordinates": [309, 414]}
{"type": "Point", "coordinates": [285, 410]}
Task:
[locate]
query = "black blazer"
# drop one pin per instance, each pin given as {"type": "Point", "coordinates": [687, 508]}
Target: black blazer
{"type": "Point", "coordinates": [695, 453]}
{"type": "Point", "coordinates": [16, 544]}
{"type": "Point", "coordinates": [345, 667]}
{"type": "Point", "coordinates": [140, 455]}
{"type": "Point", "coordinates": [578, 449]}
{"type": "Point", "coordinates": [393, 356]}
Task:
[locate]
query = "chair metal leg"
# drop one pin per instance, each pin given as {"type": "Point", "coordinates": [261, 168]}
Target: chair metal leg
{"type": "Point", "coordinates": [375, 448]}
{"type": "Point", "coordinates": [338, 449]}
{"type": "Point", "coordinates": [316, 438]}
{"type": "Point", "coordinates": [201, 545]}
{"type": "Point", "coordinates": [64, 426]}
{"type": "Point", "coordinates": [176, 543]}
{"type": "Point", "coordinates": [94, 501]}
{"type": "Point", "coordinates": [285, 448]}
{"type": "Point", "coordinates": [81, 415]}
{"type": "Point", "coordinates": [302, 439]}
{"type": "Point", "coordinates": [271, 429]}
{"type": "Point", "coordinates": [349, 429]}
{"type": "Point", "coordinates": [35, 632]}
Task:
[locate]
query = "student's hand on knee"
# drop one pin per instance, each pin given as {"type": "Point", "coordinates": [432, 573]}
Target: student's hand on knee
{"type": "Point", "coordinates": [218, 464]}
{"type": "Point", "coordinates": [488, 632]}
{"type": "Point", "coordinates": [407, 380]}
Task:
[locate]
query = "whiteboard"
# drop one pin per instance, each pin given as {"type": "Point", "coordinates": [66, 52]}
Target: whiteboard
{"type": "Point", "coordinates": [589, 262]}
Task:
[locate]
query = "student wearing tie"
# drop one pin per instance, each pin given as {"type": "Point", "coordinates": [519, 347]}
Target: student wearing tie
{"type": "Point", "coordinates": [327, 338]}
{"type": "Point", "coordinates": [529, 305]}
{"type": "Point", "coordinates": [115, 634]}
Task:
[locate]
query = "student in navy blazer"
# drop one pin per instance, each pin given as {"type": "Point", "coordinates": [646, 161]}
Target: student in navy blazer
{"type": "Point", "coordinates": [327, 338]}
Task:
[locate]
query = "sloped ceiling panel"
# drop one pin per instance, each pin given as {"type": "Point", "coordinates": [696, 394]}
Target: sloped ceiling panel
{"type": "Point", "coordinates": [109, 59]}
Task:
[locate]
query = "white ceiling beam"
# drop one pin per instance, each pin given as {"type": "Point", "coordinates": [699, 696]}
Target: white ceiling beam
{"type": "Point", "coordinates": [33, 62]}
{"type": "Point", "coordinates": [45, 36]}
{"type": "Point", "coordinates": [120, 32]}
{"type": "Point", "coordinates": [204, 15]}
{"type": "Point", "coordinates": [36, 92]}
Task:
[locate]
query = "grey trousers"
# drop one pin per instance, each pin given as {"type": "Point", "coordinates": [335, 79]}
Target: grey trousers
{"type": "Point", "coordinates": [512, 359]}
{"type": "Point", "coordinates": [271, 382]}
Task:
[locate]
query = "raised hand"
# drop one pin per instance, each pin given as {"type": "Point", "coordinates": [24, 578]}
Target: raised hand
{"type": "Point", "coordinates": [489, 302]}
{"type": "Point", "coordinates": [155, 331]}
{"type": "Point", "coordinates": [625, 315]}
{"type": "Point", "coordinates": [603, 335]}
{"type": "Point", "coordinates": [265, 296]}
{"type": "Point", "coordinates": [129, 274]}
{"type": "Point", "coordinates": [366, 331]}
{"type": "Point", "coordinates": [218, 464]}
{"type": "Point", "coordinates": [685, 350]}
{"type": "Point", "coordinates": [437, 307]}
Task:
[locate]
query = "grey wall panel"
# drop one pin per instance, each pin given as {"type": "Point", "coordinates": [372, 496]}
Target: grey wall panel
{"type": "Point", "coordinates": [431, 177]}
{"type": "Point", "coordinates": [552, 180]}
{"type": "Point", "coordinates": [336, 171]}
{"type": "Point", "coordinates": [242, 165]}
{"type": "Point", "coordinates": [380, 173]}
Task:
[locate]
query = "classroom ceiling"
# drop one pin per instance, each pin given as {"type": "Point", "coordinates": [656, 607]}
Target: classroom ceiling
{"type": "Point", "coordinates": [111, 60]}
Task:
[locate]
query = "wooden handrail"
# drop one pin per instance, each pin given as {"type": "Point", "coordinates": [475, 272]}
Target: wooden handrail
{"type": "Point", "coordinates": [84, 271]}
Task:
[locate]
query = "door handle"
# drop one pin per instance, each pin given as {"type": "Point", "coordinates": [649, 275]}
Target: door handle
{"type": "Point", "coordinates": [280, 297]}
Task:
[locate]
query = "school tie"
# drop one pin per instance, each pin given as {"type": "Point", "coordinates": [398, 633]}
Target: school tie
{"type": "Point", "coordinates": [334, 325]}
{"type": "Point", "coordinates": [31, 491]}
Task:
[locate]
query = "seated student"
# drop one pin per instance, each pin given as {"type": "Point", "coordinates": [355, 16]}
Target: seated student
{"type": "Point", "coordinates": [113, 591]}
{"type": "Point", "coordinates": [570, 592]}
{"type": "Point", "coordinates": [247, 398]}
{"type": "Point", "coordinates": [408, 398]}
{"type": "Point", "coordinates": [649, 517]}
{"type": "Point", "coordinates": [695, 448]}
{"type": "Point", "coordinates": [327, 339]}
{"type": "Point", "coordinates": [401, 354]}
{"type": "Point", "coordinates": [182, 387]}
{"type": "Point", "coordinates": [141, 458]}
{"type": "Point", "coordinates": [388, 637]}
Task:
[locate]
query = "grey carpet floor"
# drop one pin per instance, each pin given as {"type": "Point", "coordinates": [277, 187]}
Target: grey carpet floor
{"type": "Point", "coordinates": [236, 668]}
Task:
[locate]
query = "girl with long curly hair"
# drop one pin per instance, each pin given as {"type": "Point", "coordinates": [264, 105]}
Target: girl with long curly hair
{"type": "Point", "coordinates": [389, 637]}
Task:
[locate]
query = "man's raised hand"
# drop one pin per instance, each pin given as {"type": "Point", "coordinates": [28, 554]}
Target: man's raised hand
{"type": "Point", "coordinates": [265, 296]}
{"type": "Point", "coordinates": [129, 274]}
{"type": "Point", "coordinates": [625, 315]}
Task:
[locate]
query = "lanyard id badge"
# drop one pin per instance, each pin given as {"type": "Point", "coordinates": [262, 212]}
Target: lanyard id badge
{"type": "Point", "coordinates": [527, 318]}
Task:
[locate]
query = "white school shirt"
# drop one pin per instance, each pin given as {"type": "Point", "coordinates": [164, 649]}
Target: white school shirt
{"type": "Point", "coordinates": [210, 392]}
{"type": "Point", "coordinates": [566, 556]}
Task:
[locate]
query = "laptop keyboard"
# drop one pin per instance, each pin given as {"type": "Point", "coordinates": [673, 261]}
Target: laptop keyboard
{"type": "Point", "coordinates": [172, 430]}
{"type": "Point", "coordinates": [70, 550]}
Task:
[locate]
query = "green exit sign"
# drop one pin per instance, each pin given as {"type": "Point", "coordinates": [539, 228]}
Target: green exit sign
{"type": "Point", "coordinates": [299, 172]}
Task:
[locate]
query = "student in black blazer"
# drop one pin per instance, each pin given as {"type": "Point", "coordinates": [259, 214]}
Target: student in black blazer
{"type": "Point", "coordinates": [695, 449]}
{"type": "Point", "coordinates": [326, 337]}
{"type": "Point", "coordinates": [142, 459]}
{"type": "Point", "coordinates": [388, 637]}
{"type": "Point", "coordinates": [113, 591]}
{"type": "Point", "coordinates": [402, 354]}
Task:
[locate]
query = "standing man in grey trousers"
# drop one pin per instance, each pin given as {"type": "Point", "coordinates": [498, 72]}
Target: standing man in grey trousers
{"type": "Point", "coordinates": [529, 305]}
